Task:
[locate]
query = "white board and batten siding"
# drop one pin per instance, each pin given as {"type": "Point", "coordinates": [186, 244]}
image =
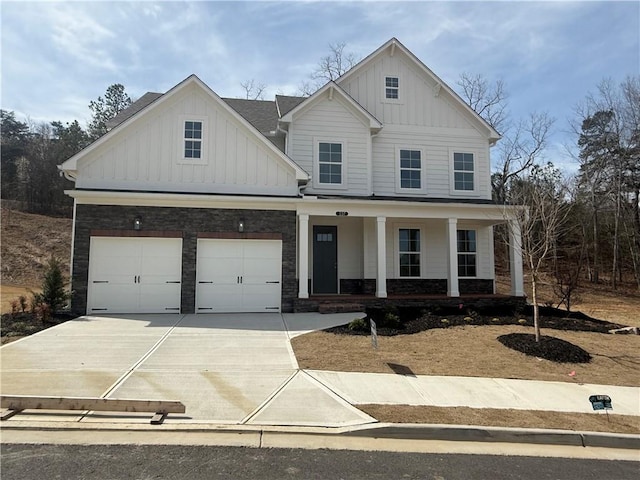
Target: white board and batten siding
{"type": "Point", "coordinates": [134, 275]}
{"type": "Point", "coordinates": [147, 155]}
{"type": "Point", "coordinates": [332, 121]}
{"type": "Point", "coordinates": [238, 275]}
{"type": "Point", "coordinates": [423, 117]}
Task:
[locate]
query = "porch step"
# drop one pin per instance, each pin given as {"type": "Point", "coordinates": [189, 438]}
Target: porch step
{"type": "Point", "coordinates": [340, 307]}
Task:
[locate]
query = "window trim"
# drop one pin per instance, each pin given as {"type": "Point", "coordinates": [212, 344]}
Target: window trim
{"type": "Point", "coordinates": [400, 99]}
{"type": "Point", "coordinates": [203, 160]}
{"type": "Point", "coordinates": [409, 191]}
{"type": "Point", "coordinates": [474, 253]}
{"type": "Point", "coordinates": [316, 163]}
{"type": "Point", "coordinates": [452, 173]}
{"type": "Point", "coordinates": [397, 251]}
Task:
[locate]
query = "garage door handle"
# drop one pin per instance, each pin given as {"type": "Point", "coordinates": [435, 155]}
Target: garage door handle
{"type": "Point", "coordinates": [174, 281]}
{"type": "Point", "coordinates": [101, 281]}
{"type": "Point", "coordinates": [271, 282]}
{"type": "Point", "coordinates": [205, 282]}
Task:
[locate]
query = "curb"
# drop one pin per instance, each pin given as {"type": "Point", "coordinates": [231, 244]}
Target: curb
{"type": "Point", "coordinates": [259, 435]}
{"type": "Point", "coordinates": [470, 433]}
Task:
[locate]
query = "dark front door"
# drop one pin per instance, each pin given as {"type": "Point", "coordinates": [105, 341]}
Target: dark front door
{"type": "Point", "coordinates": [325, 259]}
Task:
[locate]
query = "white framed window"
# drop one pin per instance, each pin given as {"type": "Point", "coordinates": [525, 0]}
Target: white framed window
{"type": "Point", "coordinates": [410, 170]}
{"type": "Point", "coordinates": [467, 248]}
{"type": "Point", "coordinates": [330, 163]}
{"type": "Point", "coordinates": [409, 252]}
{"type": "Point", "coordinates": [192, 145]}
{"type": "Point", "coordinates": [392, 87]}
{"type": "Point", "coordinates": [463, 172]}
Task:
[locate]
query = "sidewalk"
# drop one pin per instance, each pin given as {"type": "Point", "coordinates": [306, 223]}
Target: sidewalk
{"type": "Point", "coordinates": [382, 388]}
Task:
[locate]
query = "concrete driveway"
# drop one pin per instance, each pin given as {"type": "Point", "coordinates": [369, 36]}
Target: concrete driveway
{"type": "Point", "coordinates": [225, 368]}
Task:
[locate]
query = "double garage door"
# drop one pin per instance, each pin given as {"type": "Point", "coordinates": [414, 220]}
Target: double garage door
{"type": "Point", "coordinates": [143, 275]}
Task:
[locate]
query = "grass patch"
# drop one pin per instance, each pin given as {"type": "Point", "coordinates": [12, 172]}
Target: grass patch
{"type": "Point", "coordinates": [584, 422]}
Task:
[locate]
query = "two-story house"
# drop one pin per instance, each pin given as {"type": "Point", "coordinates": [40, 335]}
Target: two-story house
{"type": "Point", "coordinates": [377, 184]}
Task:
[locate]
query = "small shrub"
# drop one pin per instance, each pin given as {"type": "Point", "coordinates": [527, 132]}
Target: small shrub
{"type": "Point", "coordinates": [23, 303]}
{"type": "Point", "coordinates": [53, 292]}
{"type": "Point", "coordinates": [42, 312]}
{"type": "Point", "coordinates": [14, 307]}
{"type": "Point", "coordinates": [358, 324]}
{"type": "Point", "coordinates": [391, 320]}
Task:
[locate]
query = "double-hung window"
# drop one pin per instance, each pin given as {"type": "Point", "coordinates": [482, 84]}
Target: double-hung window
{"type": "Point", "coordinates": [410, 169]}
{"type": "Point", "coordinates": [192, 139]}
{"type": "Point", "coordinates": [330, 163]}
{"type": "Point", "coordinates": [391, 88]}
{"type": "Point", "coordinates": [466, 253]}
{"type": "Point", "coordinates": [463, 172]}
{"type": "Point", "coordinates": [409, 252]}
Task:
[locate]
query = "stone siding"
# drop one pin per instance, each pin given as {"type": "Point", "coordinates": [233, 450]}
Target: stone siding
{"type": "Point", "coordinates": [191, 222]}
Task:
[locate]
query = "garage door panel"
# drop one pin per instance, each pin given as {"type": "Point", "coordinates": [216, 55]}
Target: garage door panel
{"type": "Point", "coordinates": [160, 298]}
{"type": "Point", "coordinates": [219, 298]}
{"type": "Point", "coordinates": [134, 275]}
{"type": "Point", "coordinates": [249, 271]}
{"type": "Point", "coordinates": [104, 293]}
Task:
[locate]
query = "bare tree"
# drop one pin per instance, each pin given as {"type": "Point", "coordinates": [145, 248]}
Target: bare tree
{"type": "Point", "coordinates": [543, 193]}
{"type": "Point", "coordinates": [488, 101]}
{"type": "Point", "coordinates": [329, 68]}
{"type": "Point", "coordinates": [253, 90]}
{"type": "Point", "coordinates": [520, 148]}
{"type": "Point", "coordinates": [523, 142]}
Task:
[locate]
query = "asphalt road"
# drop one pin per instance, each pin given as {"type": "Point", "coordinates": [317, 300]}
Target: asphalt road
{"type": "Point", "coordinates": [37, 462]}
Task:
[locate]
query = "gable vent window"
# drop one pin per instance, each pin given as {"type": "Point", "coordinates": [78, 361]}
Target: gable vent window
{"type": "Point", "coordinates": [391, 89]}
{"type": "Point", "coordinates": [463, 171]}
{"type": "Point", "coordinates": [330, 163]}
{"type": "Point", "coordinates": [192, 139]}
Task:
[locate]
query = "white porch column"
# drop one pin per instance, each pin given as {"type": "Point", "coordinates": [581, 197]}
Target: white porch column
{"type": "Point", "coordinates": [515, 259]}
{"type": "Point", "coordinates": [452, 237]}
{"type": "Point", "coordinates": [381, 277]}
{"type": "Point", "coordinates": [303, 255]}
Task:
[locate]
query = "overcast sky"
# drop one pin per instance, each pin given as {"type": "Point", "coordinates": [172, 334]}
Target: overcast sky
{"type": "Point", "coordinates": [57, 56]}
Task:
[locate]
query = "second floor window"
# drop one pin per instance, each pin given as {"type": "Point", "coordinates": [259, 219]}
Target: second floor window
{"type": "Point", "coordinates": [410, 169]}
{"type": "Point", "coordinates": [391, 87]}
{"type": "Point", "coordinates": [192, 139]}
{"type": "Point", "coordinates": [463, 171]}
{"type": "Point", "coordinates": [330, 163]}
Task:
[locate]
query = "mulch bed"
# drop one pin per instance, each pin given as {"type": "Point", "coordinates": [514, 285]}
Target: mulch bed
{"type": "Point", "coordinates": [549, 348]}
{"type": "Point", "coordinates": [24, 324]}
{"type": "Point", "coordinates": [407, 321]}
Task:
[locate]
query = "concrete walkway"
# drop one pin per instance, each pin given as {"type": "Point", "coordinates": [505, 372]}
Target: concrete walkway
{"type": "Point", "coordinates": [239, 369]}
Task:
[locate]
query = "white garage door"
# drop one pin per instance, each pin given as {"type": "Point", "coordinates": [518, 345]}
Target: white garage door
{"type": "Point", "coordinates": [134, 275]}
{"type": "Point", "coordinates": [238, 275]}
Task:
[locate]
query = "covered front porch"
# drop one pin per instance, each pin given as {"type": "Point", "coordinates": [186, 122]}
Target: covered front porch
{"type": "Point", "coordinates": [360, 252]}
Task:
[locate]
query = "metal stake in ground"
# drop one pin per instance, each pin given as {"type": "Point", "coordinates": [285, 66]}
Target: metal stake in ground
{"type": "Point", "coordinates": [374, 334]}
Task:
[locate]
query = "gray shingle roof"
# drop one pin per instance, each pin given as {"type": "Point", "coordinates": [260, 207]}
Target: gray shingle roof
{"type": "Point", "coordinates": [286, 103]}
{"type": "Point", "coordinates": [132, 109]}
{"type": "Point", "coordinates": [262, 114]}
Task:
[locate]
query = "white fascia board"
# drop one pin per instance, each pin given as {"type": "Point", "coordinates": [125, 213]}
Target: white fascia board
{"type": "Point", "coordinates": [70, 165]}
{"type": "Point", "coordinates": [186, 200]}
{"type": "Point", "coordinates": [406, 209]}
{"type": "Point", "coordinates": [332, 88]}
{"type": "Point", "coordinates": [394, 43]}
